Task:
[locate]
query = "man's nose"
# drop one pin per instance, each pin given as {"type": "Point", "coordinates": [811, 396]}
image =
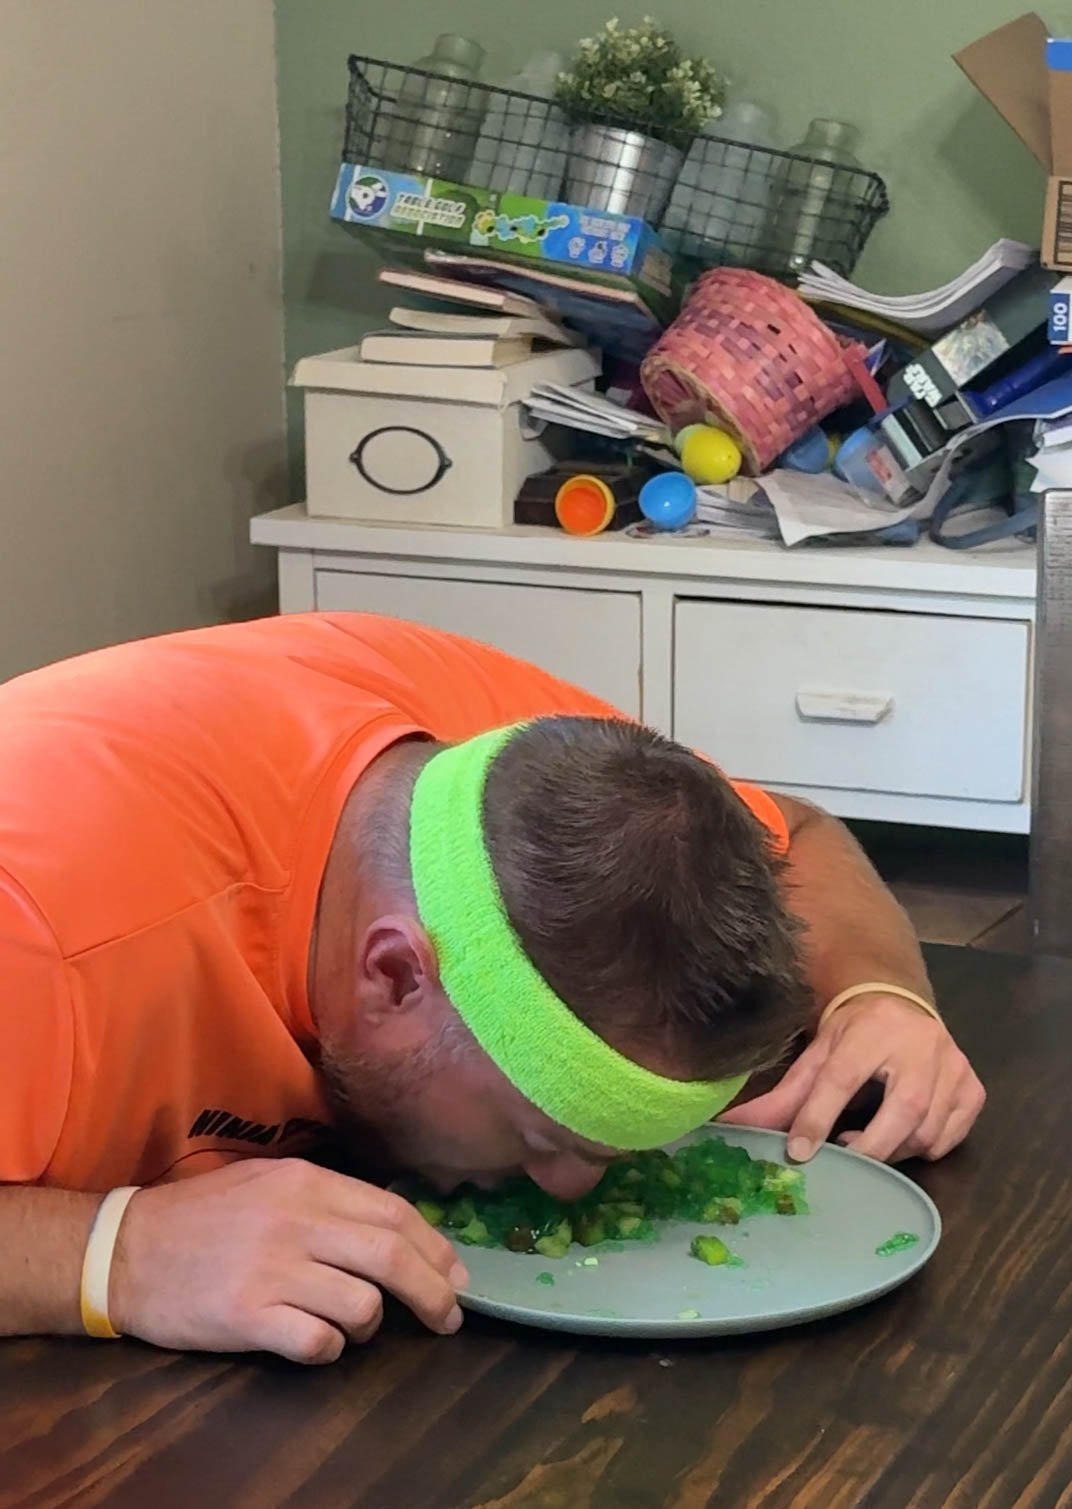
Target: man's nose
{"type": "Point", "coordinates": [565, 1177]}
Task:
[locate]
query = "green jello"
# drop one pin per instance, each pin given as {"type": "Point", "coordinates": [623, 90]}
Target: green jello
{"type": "Point", "coordinates": [707, 1181]}
{"type": "Point", "coordinates": [901, 1241]}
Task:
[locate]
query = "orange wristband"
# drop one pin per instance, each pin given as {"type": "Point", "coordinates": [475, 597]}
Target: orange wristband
{"type": "Point", "coordinates": [876, 988]}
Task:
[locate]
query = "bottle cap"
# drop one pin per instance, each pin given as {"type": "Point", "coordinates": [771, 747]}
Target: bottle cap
{"type": "Point", "coordinates": [742, 120]}
{"type": "Point", "coordinates": [584, 505]}
{"type": "Point", "coordinates": [830, 133]}
{"type": "Point", "coordinates": [454, 49]}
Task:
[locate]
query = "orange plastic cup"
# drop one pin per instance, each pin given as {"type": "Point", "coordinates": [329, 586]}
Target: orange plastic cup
{"type": "Point", "coordinates": [584, 505]}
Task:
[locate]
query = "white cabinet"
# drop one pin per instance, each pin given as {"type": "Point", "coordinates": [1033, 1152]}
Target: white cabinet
{"type": "Point", "coordinates": [912, 704]}
{"type": "Point", "coordinates": [880, 683]}
{"type": "Point", "coordinates": [589, 638]}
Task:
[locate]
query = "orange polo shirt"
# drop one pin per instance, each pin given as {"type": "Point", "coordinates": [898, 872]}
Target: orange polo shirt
{"type": "Point", "coordinates": [166, 812]}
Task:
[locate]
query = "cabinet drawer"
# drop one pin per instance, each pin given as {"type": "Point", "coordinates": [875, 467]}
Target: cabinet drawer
{"type": "Point", "coordinates": [854, 700]}
{"type": "Point", "coordinates": [591, 639]}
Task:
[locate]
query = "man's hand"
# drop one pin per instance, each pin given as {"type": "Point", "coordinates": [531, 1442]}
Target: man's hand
{"type": "Point", "coordinates": [931, 1100]}
{"type": "Point", "coordinates": [277, 1256]}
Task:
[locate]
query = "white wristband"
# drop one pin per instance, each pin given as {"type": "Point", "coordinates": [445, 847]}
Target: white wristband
{"type": "Point", "coordinates": [97, 1262]}
{"type": "Point", "coordinates": [876, 988]}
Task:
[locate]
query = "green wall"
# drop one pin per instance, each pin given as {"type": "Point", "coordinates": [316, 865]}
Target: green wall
{"type": "Point", "coordinates": [957, 176]}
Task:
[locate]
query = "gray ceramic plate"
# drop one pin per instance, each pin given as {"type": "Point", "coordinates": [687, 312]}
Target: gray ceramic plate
{"type": "Point", "coordinates": [795, 1268]}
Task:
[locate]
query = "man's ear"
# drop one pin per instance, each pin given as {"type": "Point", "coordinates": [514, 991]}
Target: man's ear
{"type": "Point", "coordinates": [398, 967]}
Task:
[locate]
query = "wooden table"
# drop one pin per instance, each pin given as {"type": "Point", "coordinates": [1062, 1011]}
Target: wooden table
{"type": "Point", "coordinates": [954, 1393]}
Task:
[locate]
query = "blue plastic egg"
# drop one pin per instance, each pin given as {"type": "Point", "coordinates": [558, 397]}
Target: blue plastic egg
{"type": "Point", "coordinates": [668, 501]}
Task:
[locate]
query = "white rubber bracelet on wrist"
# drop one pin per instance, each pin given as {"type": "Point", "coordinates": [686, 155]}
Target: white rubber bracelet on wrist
{"type": "Point", "coordinates": [876, 988]}
{"type": "Point", "coordinates": [97, 1262]}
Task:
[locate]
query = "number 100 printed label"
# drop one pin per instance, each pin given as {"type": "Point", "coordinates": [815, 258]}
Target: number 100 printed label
{"type": "Point", "coordinates": [1060, 313]}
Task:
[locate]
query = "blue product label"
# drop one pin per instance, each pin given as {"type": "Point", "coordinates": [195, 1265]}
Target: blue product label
{"type": "Point", "coordinates": [401, 201]}
{"type": "Point", "coordinates": [1057, 326]}
{"type": "Point", "coordinates": [607, 243]}
{"type": "Point", "coordinates": [362, 196]}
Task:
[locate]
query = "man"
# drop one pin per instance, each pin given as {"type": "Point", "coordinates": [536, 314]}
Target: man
{"type": "Point", "coordinates": [340, 874]}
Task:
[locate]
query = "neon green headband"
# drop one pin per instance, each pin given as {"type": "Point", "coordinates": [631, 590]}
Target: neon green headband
{"type": "Point", "coordinates": [546, 1052]}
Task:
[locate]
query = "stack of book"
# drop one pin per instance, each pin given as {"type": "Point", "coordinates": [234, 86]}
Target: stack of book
{"type": "Point", "coordinates": [455, 324]}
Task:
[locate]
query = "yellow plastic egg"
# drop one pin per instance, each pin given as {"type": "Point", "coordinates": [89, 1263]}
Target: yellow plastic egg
{"type": "Point", "coordinates": [710, 456]}
{"type": "Point", "coordinates": [682, 436]}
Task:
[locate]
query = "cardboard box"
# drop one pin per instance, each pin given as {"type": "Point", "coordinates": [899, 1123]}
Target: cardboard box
{"type": "Point", "coordinates": [614, 250]}
{"type": "Point", "coordinates": [425, 445]}
{"type": "Point", "coordinates": [1027, 77]}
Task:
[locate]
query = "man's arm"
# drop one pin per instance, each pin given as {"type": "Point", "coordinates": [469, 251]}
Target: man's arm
{"type": "Point", "coordinates": [263, 1255]}
{"type": "Point", "coordinates": [855, 932]}
{"type": "Point", "coordinates": [43, 1235]}
{"type": "Point", "coordinates": [854, 928]}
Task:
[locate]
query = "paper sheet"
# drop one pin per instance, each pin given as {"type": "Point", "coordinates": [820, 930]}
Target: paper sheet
{"type": "Point", "coordinates": [936, 309]}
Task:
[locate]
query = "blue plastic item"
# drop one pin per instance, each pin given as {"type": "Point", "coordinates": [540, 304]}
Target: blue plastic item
{"type": "Point", "coordinates": [1040, 369]}
{"type": "Point", "coordinates": [668, 501]}
{"type": "Point", "coordinates": [811, 453]}
{"type": "Point", "coordinates": [850, 463]}
{"type": "Point", "coordinates": [984, 487]}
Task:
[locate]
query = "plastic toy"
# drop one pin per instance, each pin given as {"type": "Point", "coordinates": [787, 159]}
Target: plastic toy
{"type": "Point", "coordinates": [668, 501]}
{"type": "Point", "coordinates": [709, 456]}
{"type": "Point", "coordinates": [584, 505]}
{"type": "Point", "coordinates": [682, 436]}
{"type": "Point", "coordinates": [811, 453]}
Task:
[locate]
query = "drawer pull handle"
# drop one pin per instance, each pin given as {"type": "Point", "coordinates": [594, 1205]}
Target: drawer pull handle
{"type": "Point", "coordinates": [844, 707]}
{"type": "Point", "coordinates": [438, 460]}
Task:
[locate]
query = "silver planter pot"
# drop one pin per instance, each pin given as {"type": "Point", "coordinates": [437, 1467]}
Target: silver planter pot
{"type": "Point", "coordinates": [621, 172]}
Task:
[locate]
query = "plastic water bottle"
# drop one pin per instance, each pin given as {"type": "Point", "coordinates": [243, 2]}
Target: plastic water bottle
{"type": "Point", "coordinates": [723, 194]}
{"type": "Point", "coordinates": [523, 142]}
{"type": "Point", "coordinates": [435, 120]}
{"type": "Point", "coordinates": [816, 200]}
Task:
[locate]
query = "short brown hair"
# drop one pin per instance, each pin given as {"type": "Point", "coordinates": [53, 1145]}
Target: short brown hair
{"type": "Point", "coordinates": [647, 894]}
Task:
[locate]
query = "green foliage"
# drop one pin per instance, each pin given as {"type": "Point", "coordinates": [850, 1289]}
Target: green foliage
{"type": "Point", "coordinates": [638, 76]}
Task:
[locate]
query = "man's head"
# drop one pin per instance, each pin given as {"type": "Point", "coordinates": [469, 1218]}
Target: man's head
{"type": "Point", "coordinates": [638, 885]}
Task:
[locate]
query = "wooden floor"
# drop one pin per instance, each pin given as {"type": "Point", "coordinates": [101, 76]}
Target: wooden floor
{"type": "Point", "coordinates": [962, 888]}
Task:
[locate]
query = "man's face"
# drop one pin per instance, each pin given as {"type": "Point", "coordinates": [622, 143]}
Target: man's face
{"type": "Point", "coordinates": [450, 1115]}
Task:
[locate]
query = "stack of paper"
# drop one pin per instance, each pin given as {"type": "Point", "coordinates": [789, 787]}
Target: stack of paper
{"type": "Point", "coordinates": [1053, 459]}
{"type": "Point", "coordinates": [931, 312]}
{"type": "Point", "coordinates": [752, 519]}
{"type": "Point", "coordinates": [578, 410]}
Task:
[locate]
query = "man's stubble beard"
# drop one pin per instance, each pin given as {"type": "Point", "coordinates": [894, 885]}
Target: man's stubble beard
{"type": "Point", "coordinates": [371, 1094]}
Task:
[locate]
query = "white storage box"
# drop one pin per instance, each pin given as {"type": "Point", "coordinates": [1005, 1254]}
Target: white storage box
{"type": "Point", "coordinates": [424, 445]}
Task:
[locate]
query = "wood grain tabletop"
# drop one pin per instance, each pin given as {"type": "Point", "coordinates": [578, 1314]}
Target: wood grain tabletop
{"type": "Point", "coordinates": [954, 1391]}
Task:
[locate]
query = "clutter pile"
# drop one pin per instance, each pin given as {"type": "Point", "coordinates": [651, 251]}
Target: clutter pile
{"type": "Point", "coordinates": [599, 332]}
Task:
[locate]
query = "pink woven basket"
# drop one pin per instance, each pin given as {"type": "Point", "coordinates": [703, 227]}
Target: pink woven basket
{"type": "Point", "coordinates": [749, 355]}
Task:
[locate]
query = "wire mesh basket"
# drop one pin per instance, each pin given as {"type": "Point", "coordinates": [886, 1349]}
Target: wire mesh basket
{"type": "Point", "coordinates": [741, 205]}
{"type": "Point", "coordinates": [714, 201]}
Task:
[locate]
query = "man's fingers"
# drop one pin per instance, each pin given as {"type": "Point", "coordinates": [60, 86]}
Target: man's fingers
{"type": "Point", "coordinates": [837, 1082]}
{"type": "Point", "coordinates": [390, 1260]}
{"type": "Point", "coordinates": [354, 1201]}
{"type": "Point", "coordinates": [777, 1108]}
{"type": "Point", "coordinates": [933, 1140]}
{"type": "Point", "coordinates": [944, 1100]}
{"type": "Point", "coordinates": [296, 1335]}
{"type": "Point", "coordinates": [353, 1305]}
{"type": "Point", "coordinates": [909, 1149]}
{"type": "Point", "coordinates": [898, 1121]}
{"type": "Point", "coordinates": [956, 1129]}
